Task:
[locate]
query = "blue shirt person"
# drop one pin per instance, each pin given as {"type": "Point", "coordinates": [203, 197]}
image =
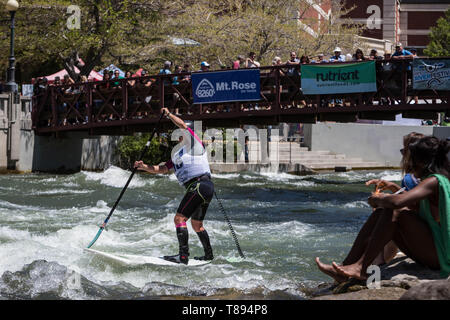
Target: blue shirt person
{"type": "Point", "coordinates": [401, 54]}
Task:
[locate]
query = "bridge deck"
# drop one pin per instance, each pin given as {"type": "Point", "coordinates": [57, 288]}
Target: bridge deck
{"type": "Point", "coordinates": [117, 108]}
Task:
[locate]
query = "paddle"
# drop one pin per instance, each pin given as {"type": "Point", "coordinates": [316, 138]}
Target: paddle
{"type": "Point", "coordinates": [103, 226]}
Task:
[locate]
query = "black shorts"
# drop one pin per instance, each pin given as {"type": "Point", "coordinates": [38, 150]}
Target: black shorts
{"type": "Point", "coordinates": [196, 200]}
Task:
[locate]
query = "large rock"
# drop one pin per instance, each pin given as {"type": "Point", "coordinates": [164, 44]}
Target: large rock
{"type": "Point", "coordinates": [372, 294]}
{"type": "Point", "coordinates": [400, 275]}
{"type": "Point", "coordinates": [433, 290]}
{"type": "Point", "coordinates": [51, 281]}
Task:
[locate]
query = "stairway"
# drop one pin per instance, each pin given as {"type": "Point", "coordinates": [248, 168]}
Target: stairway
{"type": "Point", "coordinates": [292, 152]}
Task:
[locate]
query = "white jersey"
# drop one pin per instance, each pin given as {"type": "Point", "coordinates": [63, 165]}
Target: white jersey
{"type": "Point", "coordinates": [189, 161]}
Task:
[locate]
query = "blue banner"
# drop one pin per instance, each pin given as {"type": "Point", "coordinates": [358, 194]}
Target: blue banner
{"type": "Point", "coordinates": [431, 74]}
{"type": "Point", "coordinates": [226, 86]}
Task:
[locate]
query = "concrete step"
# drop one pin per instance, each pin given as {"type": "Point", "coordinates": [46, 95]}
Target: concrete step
{"type": "Point", "coordinates": [311, 156]}
{"type": "Point", "coordinates": [350, 166]}
{"type": "Point", "coordinates": [337, 162]}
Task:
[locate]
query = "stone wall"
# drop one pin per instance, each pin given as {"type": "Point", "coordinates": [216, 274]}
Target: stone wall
{"type": "Point", "coordinates": [371, 142]}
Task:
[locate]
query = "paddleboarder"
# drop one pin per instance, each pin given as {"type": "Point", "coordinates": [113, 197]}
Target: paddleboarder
{"type": "Point", "coordinates": [190, 162]}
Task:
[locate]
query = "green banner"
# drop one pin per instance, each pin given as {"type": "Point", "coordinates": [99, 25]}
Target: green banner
{"type": "Point", "coordinates": [340, 78]}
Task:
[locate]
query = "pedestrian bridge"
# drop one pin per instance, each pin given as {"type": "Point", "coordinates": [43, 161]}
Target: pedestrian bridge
{"type": "Point", "coordinates": [121, 107]}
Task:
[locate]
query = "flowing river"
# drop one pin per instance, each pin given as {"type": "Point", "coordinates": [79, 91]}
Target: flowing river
{"type": "Point", "coordinates": [282, 222]}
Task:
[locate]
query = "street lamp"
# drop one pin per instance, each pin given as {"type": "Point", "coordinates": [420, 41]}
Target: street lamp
{"type": "Point", "coordinates": [11, 86]}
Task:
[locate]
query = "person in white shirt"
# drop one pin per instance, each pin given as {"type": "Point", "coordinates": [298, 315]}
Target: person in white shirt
{"type": "Point", "coordinates": [190, 162]}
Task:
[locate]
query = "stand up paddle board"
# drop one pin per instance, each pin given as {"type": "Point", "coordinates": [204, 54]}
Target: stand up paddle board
{"type": "Point", "coordinates": [135, 260]}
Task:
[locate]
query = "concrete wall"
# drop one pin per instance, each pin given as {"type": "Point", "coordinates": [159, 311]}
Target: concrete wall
{"type": "Point", "coordinates": [371, 142]}
{"type": "Point", "coordinates": [3, 132]}
{"type": "Point", "coordinates": [21, 150]}
{"type": "Point", "coordinates": [10, 128]}
{"type": "Point", "coordinates": [73, 152]}
{"type": "Point", "coordinates": [98, 153]}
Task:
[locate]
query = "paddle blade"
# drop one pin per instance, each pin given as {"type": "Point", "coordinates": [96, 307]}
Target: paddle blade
{"type": "Point", "coordinates": [95, 238]}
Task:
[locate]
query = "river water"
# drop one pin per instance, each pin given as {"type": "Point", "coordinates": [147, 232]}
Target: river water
{"type": "Point", "coordinates": [282, 222]}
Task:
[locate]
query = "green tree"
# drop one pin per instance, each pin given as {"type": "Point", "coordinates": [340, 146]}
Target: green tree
{"type": "Point", "coordinates": [439, 45]}
{"type": "Point", "coordinates": [110, 31]}
{"type": "Point", "coordinates": [130, 149]}
{"type": "Point", "coordinates": [268, 27]}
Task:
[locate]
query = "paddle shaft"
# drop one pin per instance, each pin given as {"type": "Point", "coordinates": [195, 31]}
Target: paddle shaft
{"type": "Point", "coordinates": [144, 151]}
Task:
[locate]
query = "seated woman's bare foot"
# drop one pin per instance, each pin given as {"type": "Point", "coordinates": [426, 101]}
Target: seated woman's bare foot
{"type": "Point", "coordinates": [351, 271]}
{"type": "Point", "coordinates": [329, 270]}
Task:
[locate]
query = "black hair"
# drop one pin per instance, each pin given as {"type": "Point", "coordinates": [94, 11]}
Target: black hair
{"type": "Point", "coordinates": [431, 153]}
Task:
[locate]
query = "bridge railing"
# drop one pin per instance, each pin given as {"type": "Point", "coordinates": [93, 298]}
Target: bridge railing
{"type": "Point", "coordinates": [133, 100]}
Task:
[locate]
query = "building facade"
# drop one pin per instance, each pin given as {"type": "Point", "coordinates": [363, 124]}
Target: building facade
{"type": "Point", "coordinates": [405, 21]}
{"type": "Point", "coordinates": [386, 22]}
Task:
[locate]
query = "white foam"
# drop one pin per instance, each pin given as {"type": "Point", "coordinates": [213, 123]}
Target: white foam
{"type": "Point", "coordinates": [117, 177]}
{"type": "Point", "coordinates": [59, 191]}
{"type": "Point", "coordinates": [227, 176]}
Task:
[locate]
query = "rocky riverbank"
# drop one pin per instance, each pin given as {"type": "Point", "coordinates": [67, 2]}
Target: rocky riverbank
{"type": "Point", "coordinates": [401, 279]}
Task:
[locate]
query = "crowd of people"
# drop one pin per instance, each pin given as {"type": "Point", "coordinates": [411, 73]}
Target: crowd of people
{"type": "Point", "coordinates": [143, 83]}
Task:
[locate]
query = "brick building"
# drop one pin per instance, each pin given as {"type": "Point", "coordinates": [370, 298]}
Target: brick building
{"type": "Point", "coordinates": [387, 21]}
{"type": "Point", "coordinates": [405, 21]}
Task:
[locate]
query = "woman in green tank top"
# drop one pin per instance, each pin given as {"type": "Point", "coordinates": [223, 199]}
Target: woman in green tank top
{"type": "Point", "coordinates": [422, 234]}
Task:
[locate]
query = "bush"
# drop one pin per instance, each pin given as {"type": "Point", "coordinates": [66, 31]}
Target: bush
{"type": "Point", "coordinates": [131, 147]}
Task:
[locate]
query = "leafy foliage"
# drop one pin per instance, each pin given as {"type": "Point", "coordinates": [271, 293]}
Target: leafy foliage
{"type": "Point", "coordinates": [141, 33]}
{"type": "Point", "coordinates": [439, 45]}
{"type": "Point", "coordinates": [130, 149]}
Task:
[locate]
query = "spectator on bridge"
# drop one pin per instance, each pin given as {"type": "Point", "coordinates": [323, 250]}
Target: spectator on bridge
{"type": "Point", "coordinates": [130, 82]}
{"type": "Point", "coordinates": [320, 59]}
{"type": "Point", "coordinates": [68, 81]}
{"type": "Point", "coordinates": [275, 62]}
{"type": "Point", "coordinates": [147, 82]}
{"type": "Point", "coordinates": [117, 76]}
{"type": "Point", "coordinates": [56, 82]}
{"type": "Point", "coordinates": [178, 69]}
{"type": "Point", "coordinates": [358, 56]}
{"type": "Point", "coordinates": [398, 55]}
{"type": "Point", "coordinates": [414, 53]}
{"type": "Point", "coordinates": [165, 71]}
{"type": "Point", "coordinates": [166, 68]}
{"type": "Point", "coordinates": [304, 59]}
{"type": "Point", "coordinates": [186, 69]}
{"type": "Point", "coordinates": [250, 62]}
{"type": "Point", "coordinates": [204, 66]}
{"type": "Point", "coordinates": [294, 61]}
{"type": "Point", "coordinates": [107, 84]}
{"type": "Point", "coordinates": [239, 62]}
{"type": "Point", "coordinates": [401, 53]}
{"type": "Point", "coordinates": [338, 57]}
{"type": "Point", "coordinates": [374, 55]}
{"type": "Point", "coordinates": [175, 82]}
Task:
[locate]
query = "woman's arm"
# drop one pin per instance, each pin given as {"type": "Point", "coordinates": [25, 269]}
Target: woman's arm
{"type": "Point", "coordinates": [425, 189]}
{"type": "Point", "coordinates": [140, 165]}
{"type": "Point", "coordinates": [177, 121]}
